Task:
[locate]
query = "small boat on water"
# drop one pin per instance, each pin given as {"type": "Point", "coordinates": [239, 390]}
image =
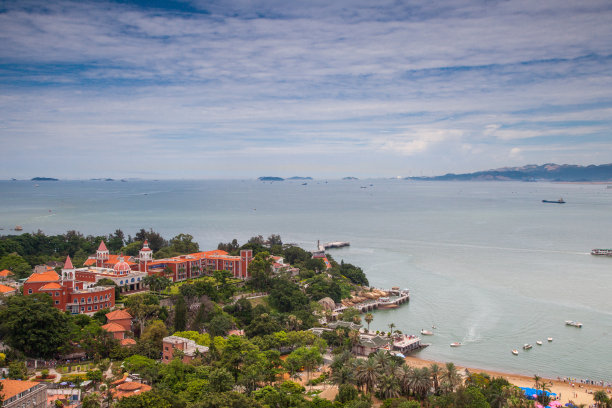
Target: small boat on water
{"type": "Point", "coordinates": [18, 228]}
{"type": "Point", "coordinates": [601, 252]}
{"type": "Point", "coordinates": [527, 347]}
{"type": "Point", "coordinates": [455, 344]}
{"type": "Point", "coordinates": [550, 339]}
{"type": "Point", "coordinates": [515, 352]}
{"type": "Point", "coordinates": [559, 201]}
{"type": "Point", "coordinates": [539, 342]}
{"type": "Point", "coordinates": [573, 323]}
{"type": "Point", "coordinates": [426, 332]}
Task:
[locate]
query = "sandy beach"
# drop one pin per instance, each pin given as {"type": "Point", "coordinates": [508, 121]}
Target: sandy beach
{"type": "Point", "coordinates": [566, 392]}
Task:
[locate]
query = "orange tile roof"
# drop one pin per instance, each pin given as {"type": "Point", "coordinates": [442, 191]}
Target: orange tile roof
{"type": "Point", "coordinates": [51, 286]}
{"type": "Point", "coordinates": [128, 342]}
{"type": "Point", "coordinates": [127, 389]}
{"type": "Point", "coordinates": [14, 387]}
{"type": "Point", "coordinates": [5, 273]}
{"type": "Point", "coordinates": [89, 262]}
{"type": "Point", "coordinates": [6, 289]}
{"type": "Point", "coordinates": [113, 328]}
{"type": "Point", "coordinates": [118, 314]}
{"type": "Point", "coordinates": [48, 276]}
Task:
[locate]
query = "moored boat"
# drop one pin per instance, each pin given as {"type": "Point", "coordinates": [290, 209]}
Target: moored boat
{"type": "Point", "coordinates": [515, 352]}
{"type": "Point", "coordinates": [559, 201]}
{"type": "Point", "coordinates": [455, 344]}
{"type": "Point", "coordinates": [426, 332]}
{"type": "Point", "coordinates": [539, 342]}
{"type": "Point", "coordinates": [573, 323]}
{"type": "Point", "coordinates": [550, 339]}
{"type": "Point", "coordinates": [527, 346]}
{"type": "Point", "coordinates": [18, 228]}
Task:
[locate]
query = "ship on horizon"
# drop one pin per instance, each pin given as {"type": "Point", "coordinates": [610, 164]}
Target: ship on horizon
{"type": "Point", "coordinates": [559, 201]}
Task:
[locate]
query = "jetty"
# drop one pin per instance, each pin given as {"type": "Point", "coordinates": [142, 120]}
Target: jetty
{"type": "Point", "coordinates": [396, 298]}
{"type": "Point", "coordinates": [330, 245]}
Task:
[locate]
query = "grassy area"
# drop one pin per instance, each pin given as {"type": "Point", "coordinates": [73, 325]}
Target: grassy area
{"type": "Point", "coordinates": [75, 367]}
{"type": "Point", "coordinates": [174, 289]}
{"type": "Point", "coordinates": [259, 301]}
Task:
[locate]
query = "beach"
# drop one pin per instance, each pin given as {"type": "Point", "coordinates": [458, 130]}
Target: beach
{"type": "Point", "coordinates": [566, 392]}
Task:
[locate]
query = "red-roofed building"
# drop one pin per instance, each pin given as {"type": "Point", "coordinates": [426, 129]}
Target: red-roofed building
{"type": "Point", "coordinates": [19, 394]}
{"type": "Point", "coordinates": [126, 387]}
{"type": "Point", "coordinates": [68, 292]}
{"type": "Point", "coordinates": [120, 317]}
{"type": "Point", "coordinates": [6, 274]}
{"type": "Point", "coordinates": [7, 290]}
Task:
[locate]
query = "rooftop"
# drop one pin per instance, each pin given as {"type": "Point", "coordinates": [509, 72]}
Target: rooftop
{"type": "Point", "coordinates": [47, 276]}
{"type": "Point", "coordinates": [118, 315]}
{"type": "Point", "coordinates": [13, 388]}
{"type": "Point", "coordinates": [6, 289]}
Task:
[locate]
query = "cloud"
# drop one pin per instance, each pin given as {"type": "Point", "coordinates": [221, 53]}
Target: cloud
{"type": "Point", "coordinates": [251, 80]}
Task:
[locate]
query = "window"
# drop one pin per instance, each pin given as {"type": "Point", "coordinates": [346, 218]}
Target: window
{"type": "Point", "coordinates": [57, 302]}
{"type": "Point", "coordinates": [95, 298]}
{"type": "Point", "coordinates": [57, 294]}
{"type": "Point", "coordinates": [29, 291]}
{"type": "Point", "coordinates": [96, 307]}
{"type": "Point", "coordinates": [82, 308]}
{"type": "Point", "coordinates": [89, 299]}
{"type": "Point", "coordinates": [89, 308]}
{"type": "Point", "coordinates": [82, 300]}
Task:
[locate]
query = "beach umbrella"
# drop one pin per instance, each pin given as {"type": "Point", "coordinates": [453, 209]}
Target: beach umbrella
{"type": "Point", "coordinates": [64, 383]}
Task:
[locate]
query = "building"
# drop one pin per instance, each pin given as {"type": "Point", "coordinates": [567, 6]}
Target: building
{"type": "Point", "coordinates": [128, 386]}
{"type": "Point", "coordinates": [178, 268]}
{"type": "Point", "coordinates": [19, 394]}
{"type": "Point", "coordinates": [119, 324]}
{"type": "Point", "coordinates": [5, 274]}
{"type": "Point", "coordinates": [7, 290]}
{"type": "Point", "coordinates": [68, 292]}
{"type": "Point", "coordinates": [189, 348]}
{"type": "Point", "coordinates": [183, 267]}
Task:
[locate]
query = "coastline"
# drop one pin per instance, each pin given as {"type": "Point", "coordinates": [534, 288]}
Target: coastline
{"type": "Point", "coordinates": [577, 392]}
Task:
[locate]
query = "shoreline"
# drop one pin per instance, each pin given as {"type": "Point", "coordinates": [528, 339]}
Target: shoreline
{"type": "Point", "coordinates": [566, 391]}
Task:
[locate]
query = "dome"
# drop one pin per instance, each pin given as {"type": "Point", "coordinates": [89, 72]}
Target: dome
{"type": "Point", "coordinates": [122, 267]}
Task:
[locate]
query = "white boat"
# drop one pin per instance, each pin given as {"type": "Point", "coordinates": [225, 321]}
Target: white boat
{"type": "Point", "coordinates": [549, 339]}
{"type": "Point", "coordinates": [539, 342]}
{"type": "Point", "coordinates": [455, 344]}
{"type": "Point", "coordinates": [426, 332]}
{"type": "Point", "coordinates": [527, 346]}
{"type": "Point", "coordinates": [573, 323]}
{"type": "Point", "coordinates": [515, 352]}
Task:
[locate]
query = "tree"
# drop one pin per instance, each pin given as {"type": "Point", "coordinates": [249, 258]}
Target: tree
{"type": "Point", "coordinates": [260, 270]}
{"type": "Point", "coordinates": [157, 283]}
{"type": "Point", "coordinates": [16, 264]}
{"type": "Point", "coordinates": [221, 380]}
{"type": "Point", "coordinates": [450, 377]}
{"type": "Point", "coordinates": [95, 376]}
{"type": "Point", "coordinates": [91, 401]}
{"type": "Point", "coordinates": [32, 325]}
{"type": "Point", "coordinates": [368, 318]}
{"type": "Point", "coordinates": [180, 314]}
{"type": "Point", "coordinates": [183, 244]}
{"type": "Point", "coordinates": [18, 370]}
{"type": "Point", "coordinates": [151, 340]}
{"type": "Point", "coordinates": [142, 306]}
{"type": "Point", "coordinates": [601, 398]}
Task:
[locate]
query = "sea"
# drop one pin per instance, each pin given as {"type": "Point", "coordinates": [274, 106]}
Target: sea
{"type": "Point", "coordinates": [487, 263]}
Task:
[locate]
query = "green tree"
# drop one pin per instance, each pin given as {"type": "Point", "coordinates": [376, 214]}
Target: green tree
{"type": "Point", "coordinates": [91, 401]}
{"type": "Point", "coordinates": [142, 306]}
{"type": "Point", "coordinates": [368, 318]}
{"type": "Point", "coordinates": [183, 244]}
{"type": "Point", "coordinates": [33, 326]}
{"type": "Point", "coordinates": [16, 264]}
{"type": "Point", "coordinates": [601, 398]}
{"type": "Point", "coordinates": [180, 314]}
{"type": "Point", "coordinates": [17, 370]}
{"type": "Point", "coordinates": [157, 283]}
{"type": "Point", "coordinates": [260, 270]}
{"type": "Point", "coordinates": [95, 376]}
{"type": "Point", "coordinates": [221, 380]}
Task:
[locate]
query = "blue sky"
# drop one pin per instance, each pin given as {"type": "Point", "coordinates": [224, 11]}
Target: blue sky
{"type": "Point", "coordinates": [240, 89]}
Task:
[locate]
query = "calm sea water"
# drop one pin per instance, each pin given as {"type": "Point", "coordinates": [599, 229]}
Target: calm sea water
{"type": "Point", "coordinates": [487, 263]}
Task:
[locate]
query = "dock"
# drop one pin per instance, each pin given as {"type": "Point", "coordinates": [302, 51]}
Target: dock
{"type": "Point", "coordinates": [331, 245]}
{"type": "Point", "coordinates": [402, 296]}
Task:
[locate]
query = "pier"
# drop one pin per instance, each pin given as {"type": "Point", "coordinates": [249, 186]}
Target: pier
{"type": "Point", "coordinates": [402, 296]}
{"type": "Point", "coordinates": [330, 245]}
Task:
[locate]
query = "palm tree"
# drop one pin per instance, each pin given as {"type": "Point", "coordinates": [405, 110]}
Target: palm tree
{"type": "Point", "coordinates": [421, 381]}
{"type": "Point", "coordinates": [388, 386]}
{"type": "Point", "coordinates": [391, 327]}
{"type": "Point", "coordinates": [405, 375]}
{"type": "Point", "coordinates": [450, 377]}
{"type": "Point", "coordinates": [366, 372]}
{"type": "Point", "coordinates": [536, 381]}
{"type": "Point", "coordinates": [368, 318]}
{"type": "Point", "coordinates": [601, 398]}
{"type": "Point", "coordinates": [436, 371]}
{"type": "Point", "coordinates": [382, 359]}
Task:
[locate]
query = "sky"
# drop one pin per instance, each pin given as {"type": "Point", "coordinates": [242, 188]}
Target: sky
{"type": "Point", "coordinates": [240, 89]}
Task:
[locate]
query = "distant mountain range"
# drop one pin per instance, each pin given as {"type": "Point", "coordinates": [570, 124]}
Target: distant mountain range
{"type": "Point", "coordinates": [534, 172]}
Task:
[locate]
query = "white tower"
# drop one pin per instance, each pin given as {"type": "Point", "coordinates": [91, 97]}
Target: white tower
{"type": "Point", "coordinates": [145, 256]}
{"type": "Point", "coordinates": [101, 255]}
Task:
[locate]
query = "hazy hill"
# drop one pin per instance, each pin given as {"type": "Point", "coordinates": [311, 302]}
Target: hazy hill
{"type": "Point", "coordinates": [534, 172]}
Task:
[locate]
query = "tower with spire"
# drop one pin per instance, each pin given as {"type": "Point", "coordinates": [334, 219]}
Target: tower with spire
{"type": "Point", "coordinates": [101, 255]}
{"type": "Point", "coordinates": [145, 256]}
{"type": "Point", "coordinates": [68, 272]}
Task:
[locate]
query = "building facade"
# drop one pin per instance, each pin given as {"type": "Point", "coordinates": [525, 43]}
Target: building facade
{"type": "Point", "coordinates": [19, 394]}
{"type": "Point", "coordinates": [189, 348]}
{"type": "Point", "coordinates": [68, 292]}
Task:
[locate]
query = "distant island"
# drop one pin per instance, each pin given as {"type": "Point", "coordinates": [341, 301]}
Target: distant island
{"type": "Point", "coordinates": [299, 178]}
{"type": "Point", "coordinates": [44, 179]}
{"type": "Point", "coordinates": [534, 172]}
{"type": "Point", "coordinates": [350, 178]}
{"type": "Point", "coordinates": [271, 179]}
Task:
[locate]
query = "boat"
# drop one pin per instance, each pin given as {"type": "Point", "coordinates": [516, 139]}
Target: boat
{"type": "Point", "coordinates": [455, 344]}
{"type": "Point", "coordinates": [426, 332]}
{"type": "Point", "coordinates": [559, 201]}
{"type": "Point", "coordinates": [573, 323]}
{"type": "Point", "coordinates": [549, 339]}
{"type": "Point", "coordinates": [601, 252]}
{"type": "Point", "coordinates": [515, 352]}
{"type": "Point", "coordinates": [539, 342]}
{"type": "Point", "coordinates": [18, 228]}
{"type": "Point", "coordinates": [527, 346]}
